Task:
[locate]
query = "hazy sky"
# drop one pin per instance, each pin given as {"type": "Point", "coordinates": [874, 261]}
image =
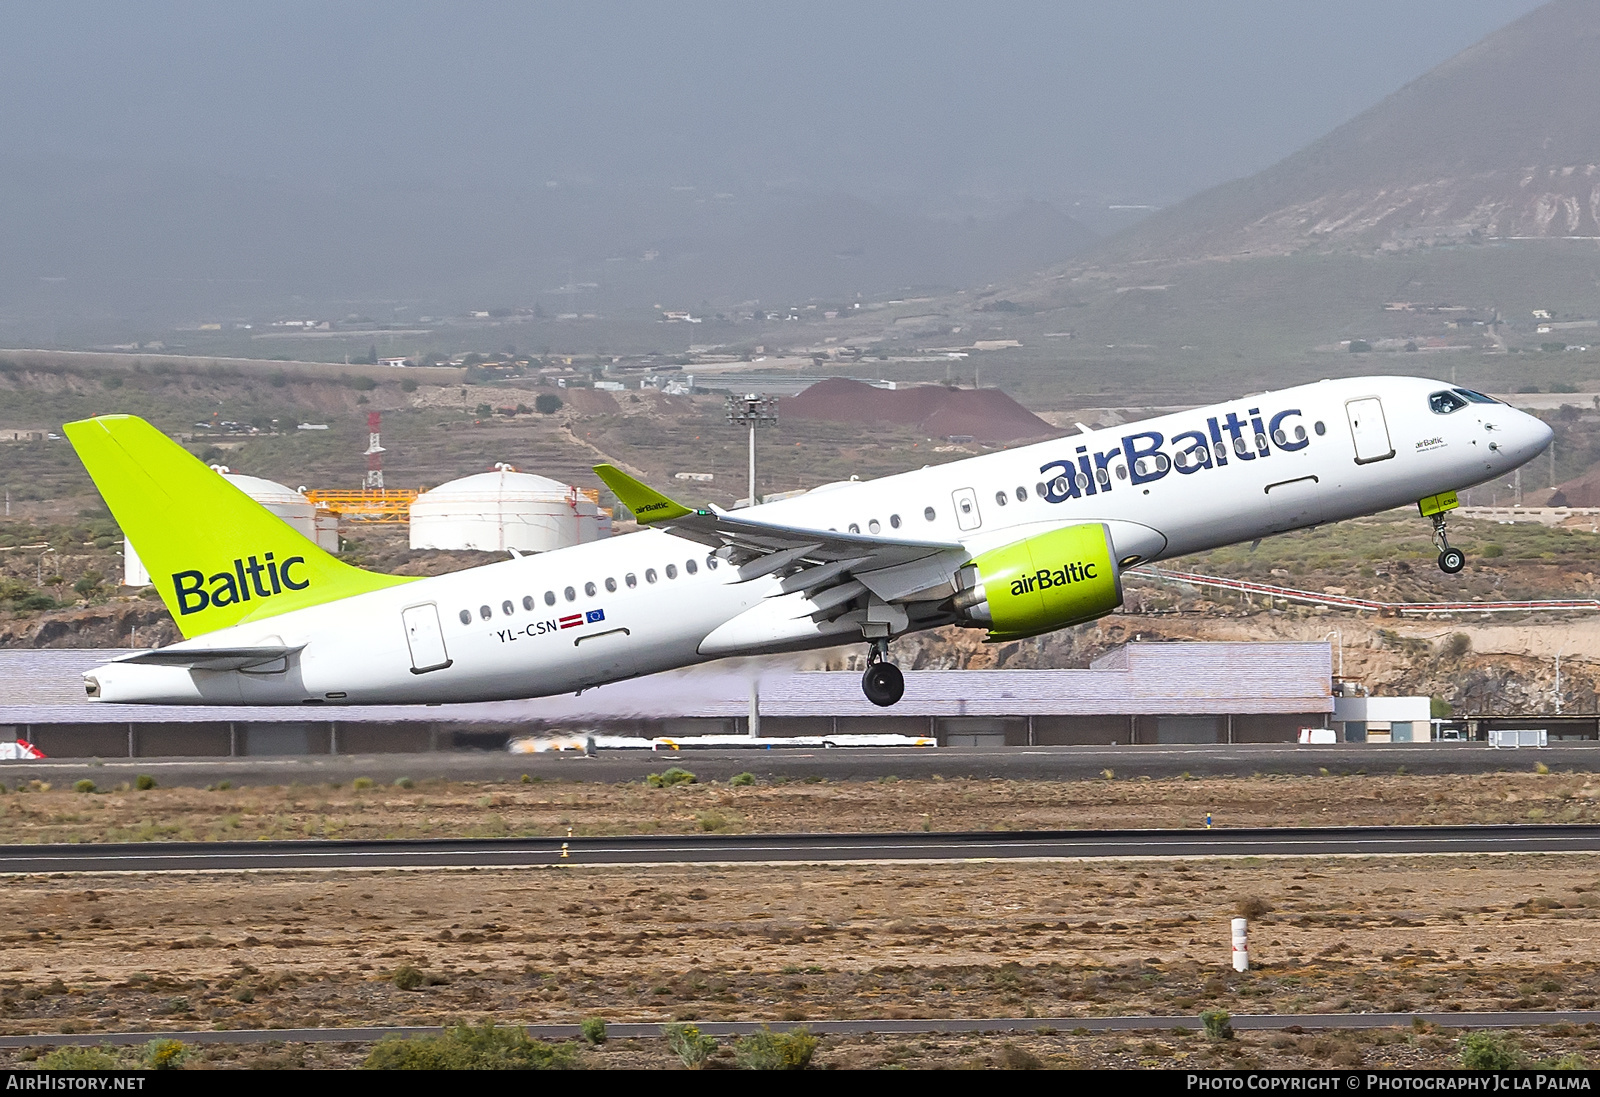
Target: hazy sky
{"type": "Point", "coordinates": [1137, 100]}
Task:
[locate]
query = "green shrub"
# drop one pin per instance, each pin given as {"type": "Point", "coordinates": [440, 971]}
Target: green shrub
{"type": "Point", "coordinates": [464, 1047]}
{"type": "Point", "coordinates": [768, 1050]}
{"type": "Point", "coordinates": [547, 403]}
{"type": "Point", "coordinates": [712, 820]}
{"type": "Point", "coordinates": [245, 995]}
{"type": "Point", "coordinates": [84, 785]}
{"type": "Point", "coordinates": [690, 1045]}
{"type": "Point", "coordinates": [78, 1058]}
{"type": "Point", "coordinates": [1489, 1051]}
{"type": "Point", "coordinates": [1219, 1025]}
{"type": "Point", "coordinates": [162, 1054]}
{"type": "Point", "coordinates": [361, 783]}
{"type": "Point", "coordinates": [742, 779]}
{"type": "Point", "coordinates": [669, 777]}
{"type": "Point", "coordinates": [1491, 550]}
{"type": "Point", "coordinates": [1013, 1057]}
{"type": "Point", "coordinates": [594, 1030]}
{"type": "Point", "coordinates": [404, 782]}
{"type": "Point", "coordinates": [144, 782]}
{"type": "Point", "coordinates": [408, 385]}
{"type": "Point", "coordinates": [407, 977]}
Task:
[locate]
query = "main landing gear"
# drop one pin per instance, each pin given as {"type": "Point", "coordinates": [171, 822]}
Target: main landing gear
{"type": "Point", "coordinates": [1451, 560]}
{"type": "Point", "coordinates": [882, 683]}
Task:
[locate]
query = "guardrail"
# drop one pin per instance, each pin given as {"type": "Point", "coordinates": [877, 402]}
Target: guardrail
{"type": "Point", "coordinates": [1341, 601]}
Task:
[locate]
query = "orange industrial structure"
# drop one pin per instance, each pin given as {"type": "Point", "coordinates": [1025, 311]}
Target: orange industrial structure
{"type": "Point", "coordinates": [391, 506]}
{"type": "Point", "coordinates": [386, 506]}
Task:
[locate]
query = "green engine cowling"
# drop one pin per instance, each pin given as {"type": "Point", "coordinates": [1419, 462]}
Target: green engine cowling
{"type": "Point", "coordinates": [1043, 583]}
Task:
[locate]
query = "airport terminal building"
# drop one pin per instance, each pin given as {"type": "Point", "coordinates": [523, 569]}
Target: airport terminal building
{"type": "Point", "coordinates": [1135, 694]}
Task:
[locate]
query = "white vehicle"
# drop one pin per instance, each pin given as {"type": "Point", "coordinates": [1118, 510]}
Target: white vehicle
{"type": "Point", "coordinates": [1017, 542]}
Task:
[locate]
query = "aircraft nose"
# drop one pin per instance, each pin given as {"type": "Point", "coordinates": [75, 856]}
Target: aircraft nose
{"type": "Point", "coordinates": [1526, 436]}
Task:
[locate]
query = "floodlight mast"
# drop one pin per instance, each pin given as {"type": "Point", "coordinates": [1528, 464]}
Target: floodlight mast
{"type": "Point", "coordinates": [753, 410]}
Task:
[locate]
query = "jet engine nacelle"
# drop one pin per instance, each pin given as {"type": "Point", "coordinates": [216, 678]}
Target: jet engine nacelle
{"type": "Point", "coordinates": [1043, 583]}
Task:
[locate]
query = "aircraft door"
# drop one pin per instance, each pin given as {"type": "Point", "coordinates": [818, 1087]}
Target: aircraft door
{"type": "Point", "coordinates": [1369, 430]}
{"type": "Point", "coordinates": [966, 504]}
{"type": "Point", "coordinates": [425, 638]}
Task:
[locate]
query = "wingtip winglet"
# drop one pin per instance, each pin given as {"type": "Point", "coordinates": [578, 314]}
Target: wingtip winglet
{"type": "Point", "coordinates": [648, 505]}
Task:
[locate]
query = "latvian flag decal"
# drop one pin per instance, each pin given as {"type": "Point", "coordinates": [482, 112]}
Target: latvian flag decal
{"type": "Point", "coordinates": [587, 618]}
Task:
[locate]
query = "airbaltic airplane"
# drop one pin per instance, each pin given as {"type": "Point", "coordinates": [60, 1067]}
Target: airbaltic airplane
{"type": "Point", "coordinates": [1018, 542]}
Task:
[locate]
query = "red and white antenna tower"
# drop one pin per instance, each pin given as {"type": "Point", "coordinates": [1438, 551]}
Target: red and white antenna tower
{"type": "Point", "coordinates": [374, 452]}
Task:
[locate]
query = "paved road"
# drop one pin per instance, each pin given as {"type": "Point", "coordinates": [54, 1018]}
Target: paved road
{"type": "Point", "coordinates": [148, 857]}
{"type": "Point", "coordinates": [652, 1029]}
{"type": "Point", "coordinates": [841, 764]}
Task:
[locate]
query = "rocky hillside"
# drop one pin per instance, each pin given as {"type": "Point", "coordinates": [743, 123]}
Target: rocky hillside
{"type": "Point", "coordinates": [1501, 141]}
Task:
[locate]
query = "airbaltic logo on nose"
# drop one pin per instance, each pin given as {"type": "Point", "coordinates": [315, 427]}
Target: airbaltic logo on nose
{"type": "Point", "coordinates": [1044, 578]}
{"type": "Point", "coordinates": [263, 578]}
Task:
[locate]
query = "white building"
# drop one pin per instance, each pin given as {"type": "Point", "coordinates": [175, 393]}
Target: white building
{"type": "Point", "coordinates": [505, 509]}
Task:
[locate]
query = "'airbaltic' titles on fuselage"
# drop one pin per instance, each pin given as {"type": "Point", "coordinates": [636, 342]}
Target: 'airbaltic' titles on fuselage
{"type": "Point", "coordinates": [239, 585]}
{"type": "Point", "coordinates": [1225, 437]}
{"type": "Point", "coordinates": [1045, 579]}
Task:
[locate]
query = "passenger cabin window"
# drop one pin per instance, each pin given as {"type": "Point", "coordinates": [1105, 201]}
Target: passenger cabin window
{"type": "Point", "coordinates": [894, 521]}
{"type": "Point", "coordinates": [853, 528]}
{"type": "Point", "coordinates": [1320, 428]}
{"type": "Point", "coordinates": [690, 566]}
{"type": "Point", "coordinates": [928, 513]}
{"type": "Point", "coordinates": [1040, 490]}
{"type": "Point", "coordinates": [466, 617]}
{"type": "Point", "coordinates": [485, 612]}
{"type": "Point", "coordinates": [712, 561]}
{"type": "Point", "coordinates": [507, 608]}
{"type": "Point", "coordinates": [649, 575]}
{"type": "Point", "coordinates": [588, 588]}
{"type": "Point", "coordinates": [631, 579]}
{"type": "Point", "coordinates": [672, 571]}
{"type": "Point", "coordinates": [570, 595]}
{"type": "Point", "coordinates": [1103, 476]}
{"type": "Point", "coordinates": [874, 526]}
{"type": "Point", "coordinates": [611, 585]}
{"type": "Point", "coordinates": [549, 597]}
{"type": "Point", "coordinates": [1022, 495]}
{"type": "Point", "coordinates": [1443, 403]}
{"type": "Point", "coordinates": [1001, 498]}
{"type": "Point", "coordinates": [527, 601]}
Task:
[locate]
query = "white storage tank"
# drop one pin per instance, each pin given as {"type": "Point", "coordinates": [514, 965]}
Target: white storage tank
{"type": "Point", "coordinates": [282, 500]}
{"type": "Point", "coordinates": [503, 509]}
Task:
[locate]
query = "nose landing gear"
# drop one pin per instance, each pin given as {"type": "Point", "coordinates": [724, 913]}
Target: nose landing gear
{"type": "Point", "coordinates": [1434, 508]}
{"type": "Point", "coordinates": [883, 683]}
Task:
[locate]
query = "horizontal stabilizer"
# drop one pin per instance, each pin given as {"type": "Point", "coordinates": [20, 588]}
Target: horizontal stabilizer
{"type": "Point", "coordinates": [212, 658]}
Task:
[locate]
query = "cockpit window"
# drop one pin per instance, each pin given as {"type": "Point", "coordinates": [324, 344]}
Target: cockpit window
{"type": "Point", "coordinates": [1443, 403]}
{"type": "Point", "coordinates": [1476, 397]}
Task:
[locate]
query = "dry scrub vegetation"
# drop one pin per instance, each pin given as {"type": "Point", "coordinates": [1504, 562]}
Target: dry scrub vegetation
{"type": "Point", "coordinates": [449, 809]}
{"type": "Point", "coordinates": [796, 943]}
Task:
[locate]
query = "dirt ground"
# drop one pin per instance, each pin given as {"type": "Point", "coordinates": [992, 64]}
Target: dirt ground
{"type": "Point", "coordinates": [790, 943]}
{"type": "Point", "coordinates": [450, 809]}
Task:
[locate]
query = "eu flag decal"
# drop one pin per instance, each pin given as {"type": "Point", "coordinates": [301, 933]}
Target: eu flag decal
{"type": "Point", "coordinates": [594, 615]}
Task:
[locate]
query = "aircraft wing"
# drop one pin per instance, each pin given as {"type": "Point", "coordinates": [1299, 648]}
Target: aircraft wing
{"type": "Point", "coordinates": [893, 569]}
{"type": "Point", "coordinates": [211, 658]}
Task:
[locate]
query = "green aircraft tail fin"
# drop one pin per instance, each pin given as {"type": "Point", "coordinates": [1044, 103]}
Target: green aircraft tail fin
{"type": "Point", "coordinates": [217, 557]}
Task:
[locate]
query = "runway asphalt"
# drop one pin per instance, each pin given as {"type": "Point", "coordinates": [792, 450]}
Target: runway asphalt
{"type": "Point", "coordinates": [645, 1030]}
{"type": "Point", "coordinates": [839, 764]}
{"type": "Point", "coordinates": [152, 857]}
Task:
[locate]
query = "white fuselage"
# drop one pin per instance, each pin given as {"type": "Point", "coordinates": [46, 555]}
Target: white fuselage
{"type": "Point", "coordinates": [650, 601]}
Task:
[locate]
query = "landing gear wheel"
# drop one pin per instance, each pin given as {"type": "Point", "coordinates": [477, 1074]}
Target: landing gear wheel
{"type": "Point", "coordinates": [883, 684]}
{"type": "Point", "coordinates": [1451, 560]}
